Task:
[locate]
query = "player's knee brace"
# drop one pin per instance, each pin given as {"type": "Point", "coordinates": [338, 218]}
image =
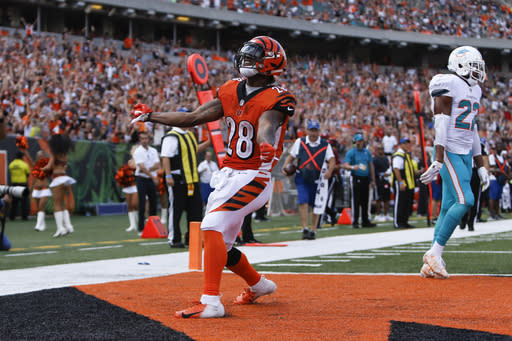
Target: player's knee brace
{"type": "Point", "coordinates": [234, 256]}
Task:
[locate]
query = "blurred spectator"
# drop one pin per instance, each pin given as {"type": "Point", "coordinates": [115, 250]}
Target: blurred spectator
{"type": "Point", "coordinates": [389, 143]}
{"type": "Point", "coordinates": [488, 19]}
{"type": "Point", "coordinates": [501, 172]}
{"type": "Point", "coordinates": [147, 164]}
{"type": "Point", "coordinates": [383, 188]}
{"type": "Point", "coordinates": [206, 169]}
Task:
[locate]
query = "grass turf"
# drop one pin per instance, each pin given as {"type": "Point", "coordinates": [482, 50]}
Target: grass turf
{"type": "Point", "coordinates": [104, 237]}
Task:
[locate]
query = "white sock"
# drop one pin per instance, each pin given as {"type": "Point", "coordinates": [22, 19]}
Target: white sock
{"type": "Point", "coordinates": [437, 249]}
{"type": "Point", "coordinates": [210, 299]}
{"type": "Point", "coordinates": [257, 286]}
{"type": "Point", "coordinates": [67, 222]}
{"type": "Point", "coordinates": [59, 221]}
{"type": "Point", "coordinates": [132, 216]}
{"type": "Point", "coordinates": [40, 225]}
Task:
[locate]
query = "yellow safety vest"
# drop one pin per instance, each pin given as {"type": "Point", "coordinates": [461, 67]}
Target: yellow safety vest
{"type": "Point", "coordinates": [19, 171]}
{"type": "Point", "coordinates": [408, 171]}
{"type": "Point", "coordinates": [188, 155]}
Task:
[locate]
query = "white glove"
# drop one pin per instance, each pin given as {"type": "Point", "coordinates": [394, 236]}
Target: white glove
{"type": "Point", "coordinates": [484, 178]}
{"type": "Point", "coordinates": [142, 118]}
{"type": "Point", "coordinates": [431, 173]}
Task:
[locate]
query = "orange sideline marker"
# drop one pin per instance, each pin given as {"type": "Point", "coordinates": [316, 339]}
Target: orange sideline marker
{"type": "Point", "coordinates": [154, 228]}
{"type": "Point", "coordinates": [195, 246]}
{"type": "Point", "coordinates": [345, 217]}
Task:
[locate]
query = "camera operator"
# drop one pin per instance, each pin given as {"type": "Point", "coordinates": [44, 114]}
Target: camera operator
{"type": "Point", "coordinates": [5, 201]}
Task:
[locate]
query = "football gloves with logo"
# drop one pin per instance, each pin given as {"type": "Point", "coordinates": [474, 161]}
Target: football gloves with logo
{"type": "Point", "coordinates": [141, 112]}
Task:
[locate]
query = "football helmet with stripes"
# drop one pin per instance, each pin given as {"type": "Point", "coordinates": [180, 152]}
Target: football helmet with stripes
{"type": "Point", "coordinates": [261, 55]}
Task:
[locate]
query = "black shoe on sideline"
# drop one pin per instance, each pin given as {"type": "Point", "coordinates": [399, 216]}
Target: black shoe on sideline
{"type": "Point", "coordinates": [368, 224]}
{"type": "Point", "coordinates": [355, 225]}
{"type": "Point", "coordinates": [177, 246]}
{"type": "Point", "coordinates": [311, 236]}
{"type": "Point", "coordinates": [305, 234]}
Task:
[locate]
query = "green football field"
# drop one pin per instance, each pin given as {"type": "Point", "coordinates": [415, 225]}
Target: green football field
{"type": "Point", "coordinates": [104, 237]}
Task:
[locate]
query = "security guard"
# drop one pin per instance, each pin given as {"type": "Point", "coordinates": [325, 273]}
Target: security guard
{"type": "Point", "coordinates": [403, 184]}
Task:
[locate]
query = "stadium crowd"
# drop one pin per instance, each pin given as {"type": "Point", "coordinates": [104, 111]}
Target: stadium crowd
{"type": "Point", "coordinates": [464, 18]}
{"type": "Point", "coordinates": [51, 84]}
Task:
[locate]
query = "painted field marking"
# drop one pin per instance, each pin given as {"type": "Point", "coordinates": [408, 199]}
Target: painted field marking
{"type": "Point", "coordinates": [29, 253]}
{"type": "Point", "coordinates": [153, 243]}
{"type": "Point", "coordinates": [323, 260]}
{"type": "Point", "coordinates": [78, 244]}
{"type": "Point", "coordinates": [47, 247]}
{"type": "Point", "coordinates": [289, 232]}
{"type": "Point", "coordinates": [101, 248]}
{"type": "Point", "coordinates": [290, 264]}
{"type": "Point", "coordinates": [358, 255]}
{"type": "Point", "coordinates": [391, 253]}
{"type": "Point", "coordinates": [106, 242]}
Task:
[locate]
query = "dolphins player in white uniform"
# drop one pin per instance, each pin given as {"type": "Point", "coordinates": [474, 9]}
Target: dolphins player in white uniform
{"type": "Point", "coordinates": [455, 105]}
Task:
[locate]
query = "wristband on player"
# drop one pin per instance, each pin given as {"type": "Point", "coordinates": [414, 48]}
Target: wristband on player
{"type": "Point", "coordinates": [168, 176]}
{"type": "Point", "coordinates": [441, 127]}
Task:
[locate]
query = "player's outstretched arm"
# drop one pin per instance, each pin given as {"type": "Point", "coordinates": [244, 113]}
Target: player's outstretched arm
{"type": "Point", "coordinates": [207, 112]}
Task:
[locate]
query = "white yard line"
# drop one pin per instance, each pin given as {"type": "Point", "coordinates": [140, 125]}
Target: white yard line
{"type": "Point", "coordinates": [56, 276]}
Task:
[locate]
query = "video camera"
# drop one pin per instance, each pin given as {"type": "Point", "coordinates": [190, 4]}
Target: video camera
{"type": "Point", "coordinates": [15, 191]}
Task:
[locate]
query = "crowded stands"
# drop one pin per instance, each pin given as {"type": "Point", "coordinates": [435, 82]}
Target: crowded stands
{"type": "Point", "coordinates": [87, 88]}
{"type": "Point", "coordinates": [463, 18]}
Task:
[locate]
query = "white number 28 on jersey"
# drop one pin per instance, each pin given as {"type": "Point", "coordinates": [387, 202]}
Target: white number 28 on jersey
{"type": "Point", "coordinates": [244, 147]}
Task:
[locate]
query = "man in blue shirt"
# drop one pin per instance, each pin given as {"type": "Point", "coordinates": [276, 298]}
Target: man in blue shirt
{"type": "Point", "coordinates": [359, 161]}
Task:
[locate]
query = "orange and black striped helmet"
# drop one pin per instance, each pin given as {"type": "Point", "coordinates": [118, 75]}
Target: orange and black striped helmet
{"type": "Point", "coordinates": [266, 53]}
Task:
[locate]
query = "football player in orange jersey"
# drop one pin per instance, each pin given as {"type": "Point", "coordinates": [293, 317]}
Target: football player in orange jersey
{"type": "Point", "coordinates": [256, 112]}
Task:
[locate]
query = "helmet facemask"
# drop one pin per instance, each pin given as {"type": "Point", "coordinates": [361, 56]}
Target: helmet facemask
{"type": "Point", "coordinates": [248, 58]}
{"type": "Point", "coordinates": [477, 71]}
{"type": "Point", "coordinates": [261, 55]}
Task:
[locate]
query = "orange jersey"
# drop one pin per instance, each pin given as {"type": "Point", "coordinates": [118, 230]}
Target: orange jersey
{"type": "Point", "coordinates": [242, 113]}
